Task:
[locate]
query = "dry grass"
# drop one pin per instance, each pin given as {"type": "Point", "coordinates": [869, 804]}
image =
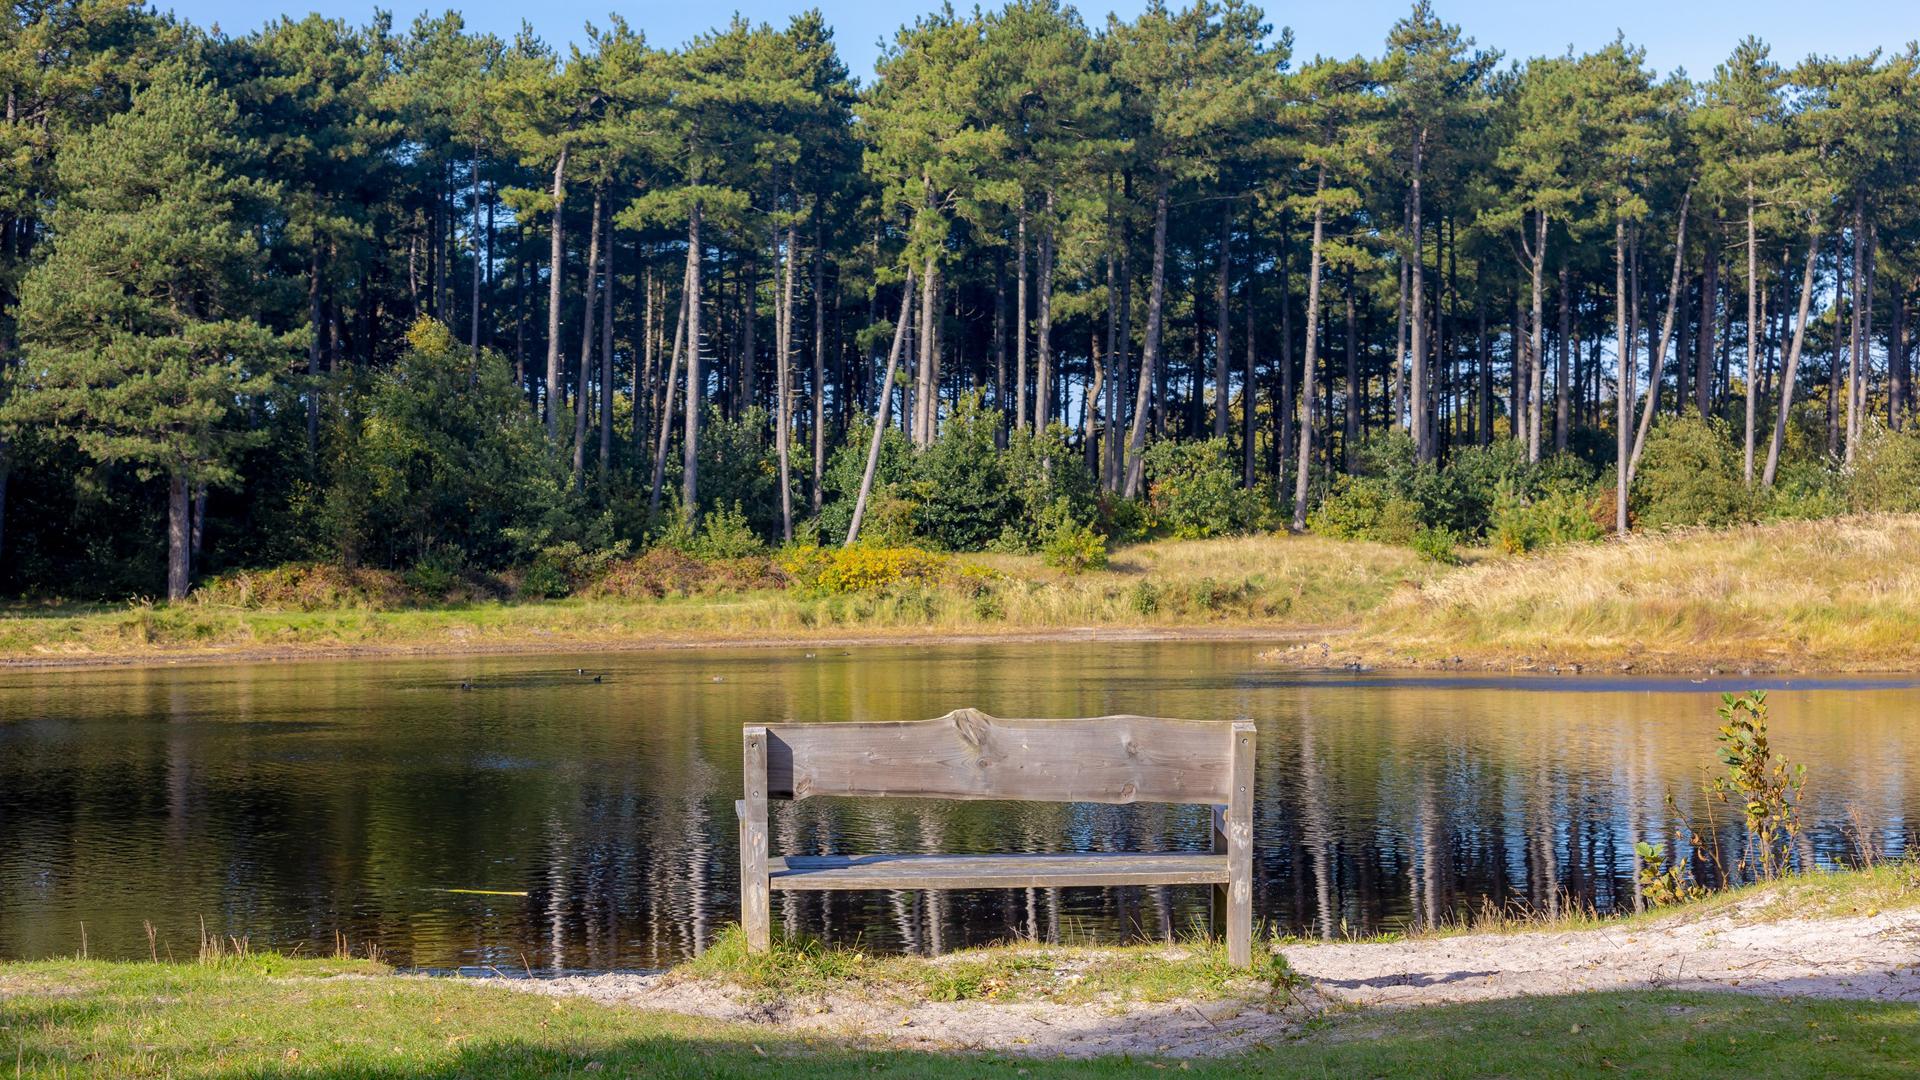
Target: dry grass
{"type": "Point", "coordinates": [1835, 595]}
{"type": "Point", "coordinates": [1268, 583]}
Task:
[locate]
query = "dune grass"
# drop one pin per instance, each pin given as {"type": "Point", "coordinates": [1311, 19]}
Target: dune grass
{"type": "Point", "coordinates": [1833, 595]}
{"type": "Point", "coordinates": [1268, 582]}
{"type": "Point", "coordinates": [265, 1016]}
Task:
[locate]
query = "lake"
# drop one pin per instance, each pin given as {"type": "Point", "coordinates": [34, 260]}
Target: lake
{"type": "Point", "coordinates": [576, 812]}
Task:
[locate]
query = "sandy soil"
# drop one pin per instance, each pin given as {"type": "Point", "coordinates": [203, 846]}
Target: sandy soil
{"type": "Point", "coordinates": [1875, 956]}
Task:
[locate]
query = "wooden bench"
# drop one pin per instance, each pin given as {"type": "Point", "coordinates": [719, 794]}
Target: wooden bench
{"type": "Point", "coordinates": [967, 754]}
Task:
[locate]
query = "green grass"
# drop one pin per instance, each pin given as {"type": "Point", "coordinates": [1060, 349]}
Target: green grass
{"type": "Point", "coordinates": [270, 1017]}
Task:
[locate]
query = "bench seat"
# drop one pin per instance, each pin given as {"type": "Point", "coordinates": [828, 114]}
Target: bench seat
{"type": "Point", "coordinates": [816, 872]}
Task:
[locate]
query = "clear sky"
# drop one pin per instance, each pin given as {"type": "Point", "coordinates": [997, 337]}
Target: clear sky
{"type": "Point", "coordinates": [1694, 34]}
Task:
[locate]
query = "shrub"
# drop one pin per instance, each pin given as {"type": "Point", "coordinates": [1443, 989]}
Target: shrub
{"type": "Point", "coordinates": [306, 587]}
{"type": "Point", "coordinates": [1073, 546]}
{"type": "Point", "coordinates": [561, 568]}
{"type": "Point", "coordinates": [1805, 490]}
{"type": "Point", "coordinates": [1366, 508]}
{"type": "Point", "coordinates": [443, 455]}
{"type": "Point", "coordinates": [962, 496]}
{"type": "Point", "coordinates": [739, 468]}
{"type": "Point", "coordinates": [665, 571]}
{"type": "Point", "coordinates": [889, 517]}
{"type": "Point", "coordinates": [1885, 475]}
{"type": "Point", "coordinates": [1143, 598]}
{"type": "Point", "coordinates": [1437, 545]}
{"type": "Point", "coordinates": [1559, 516]}
{"type": "Point", "coordinates": [862, 568]}
{"type": "Point", "coordinates": [1690, 474]}
{"type": "Point", "coordinates": [1194, 490]}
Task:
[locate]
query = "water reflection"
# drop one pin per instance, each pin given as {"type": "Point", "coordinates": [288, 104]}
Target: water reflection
{"type": "Point", "coordinates": [550, 813]}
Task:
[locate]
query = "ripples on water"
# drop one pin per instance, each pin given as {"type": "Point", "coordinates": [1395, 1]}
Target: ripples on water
{"type": "Point", "coordinates": [548, 813]}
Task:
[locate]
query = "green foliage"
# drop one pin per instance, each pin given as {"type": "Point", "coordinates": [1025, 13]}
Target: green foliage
{"type": "Point", "coordinates": [740, 468]}
{"type": "Point", "coordinates": [1690, 474]}
{"type": "Point", "coordinates": [1664, 883]}
{"type": "Point", "coordinates": [1885, 474]}
{"type": "Point", "coordinates": [1366, 508]}
{"type": "Point", "coordinates": [1804, 490]}
{"type": "Point", "coordinates": [1556, 516]}
{"type": "Point", "coordinates": [962, 495]}
{"type": "Point", "coordinates": [1194, 490]}
{"type": "Point", "coordinates": [1071, 545]}
{"type": "Point", "coordinates": [885, 519]}
{"type": "Point", "coordinates": [446, 458]}
{"type": "Point", "coordinates": [1760, 783]}
{"type": "Point", "coordinates": [1437, 545]}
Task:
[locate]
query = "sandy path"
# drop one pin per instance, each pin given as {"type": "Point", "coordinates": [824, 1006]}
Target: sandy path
{"type": "Point", "coordinates": [1875, 956]}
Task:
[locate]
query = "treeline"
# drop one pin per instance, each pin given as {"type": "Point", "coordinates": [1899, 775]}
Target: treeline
{"type": "Point", "coordinates": [428, 297]}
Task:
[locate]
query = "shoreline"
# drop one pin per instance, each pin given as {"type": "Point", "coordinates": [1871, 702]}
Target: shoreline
{"type": "Point", "coordinates": [1305, 649]}
{"type": "Point", "coordinates": [534, 647]}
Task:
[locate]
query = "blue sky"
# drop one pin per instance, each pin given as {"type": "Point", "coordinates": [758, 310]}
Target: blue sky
{"type": "Point", "coordinates": [1693, 34]}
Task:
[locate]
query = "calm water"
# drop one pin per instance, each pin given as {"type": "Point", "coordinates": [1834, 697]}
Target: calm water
{"type": "Point", "coordinates": [537, 818]}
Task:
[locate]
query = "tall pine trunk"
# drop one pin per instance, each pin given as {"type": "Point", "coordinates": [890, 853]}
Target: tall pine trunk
{"type": "Point", "coordinates": [1562, 415]}
{"type": "Point", "coordinates": [584, 380]}
{"type": "Point", "coordinates": [665, 418]}
{"type": "Point", "coordinates": [782, 378]}
{"type": "Point", "coordinates": [1656, 366]}
{"type": "Point", "coordinates": [1753, 334]}
{"type": "Point", "coordinates": [690, 450]}
{"type": "Point", "coordinates": [1043, 331]}
{"type": "Point", "coordinates": [1793, 363]}
{"type": "Point", "coordinates": [1150, 351]}
{"type": "Point", "coordinates": [925, 394]}
{"type": "Point", "coordinates": [1703, 364]}
{"type": "Point", "coordinates": [1623, 391]}
{"type": "Point", "coordinates": [1222, 360]}
{"type": "Point", "coordinates": [606, 357]}
{"type": "Point", "coordinates": [1536, 345]}
{"type": "Point", "coordinates": [819, 384]}
{"type": "Point", "coordinates": [1020, 321]}
{"type": "Point", "coordinates": [479, 250]}
{"type": "Point", "coordinates": [1303, 471]}
{"type": "Point", "coordinates": [880, 409]}
{"type": "Point", "coordinates": [179, 536]}
{"type": "Point", "coordinates": [554, 395]}
{"type": "Point", "coordinates": [1422, 420]}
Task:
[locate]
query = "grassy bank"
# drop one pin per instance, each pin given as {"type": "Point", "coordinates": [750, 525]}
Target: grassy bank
{"type": "Point", "coordinates": [1833, 595]}
{"type": "Point", "coordinates": [270, 1017]}
{"type": "Point", "coordinates": [1272, 584]}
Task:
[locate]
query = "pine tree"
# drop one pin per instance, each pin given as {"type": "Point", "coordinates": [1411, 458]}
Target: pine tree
{"type": "Point", "coordinates": [142, 338]}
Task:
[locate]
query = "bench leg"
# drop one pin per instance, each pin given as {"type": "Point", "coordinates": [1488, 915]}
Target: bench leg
{"type": "Point", "coordinates": [1239, 844]}
{"type": "Point", "coordinates": [755, 899]}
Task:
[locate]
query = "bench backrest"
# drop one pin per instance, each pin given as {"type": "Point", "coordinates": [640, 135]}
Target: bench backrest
{"type": "Point", "coordinates": [967, 754]}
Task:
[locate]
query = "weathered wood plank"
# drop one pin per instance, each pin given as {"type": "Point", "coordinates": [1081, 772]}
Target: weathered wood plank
{"type": "Point", "coordinates": [1239, 829]}
{"type": "Point", "coordinates": [819, 872]}
{"type": "Point", "coordinates": [968, 754]}
{"type": "Point", "coordinates": [755, 901]}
